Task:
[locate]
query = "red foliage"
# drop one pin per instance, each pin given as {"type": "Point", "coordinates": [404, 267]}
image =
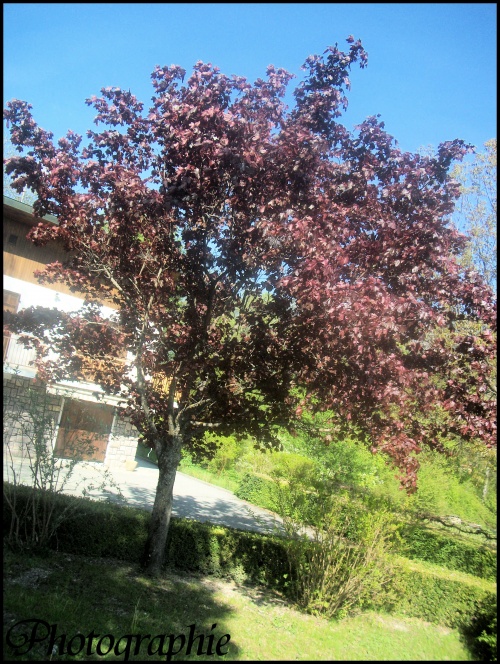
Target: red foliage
{"type": "Point", "coordinates": [185, 214]}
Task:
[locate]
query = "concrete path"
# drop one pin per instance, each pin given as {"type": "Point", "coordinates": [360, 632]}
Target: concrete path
{"type": "Point", "coordinates": [193, 498]}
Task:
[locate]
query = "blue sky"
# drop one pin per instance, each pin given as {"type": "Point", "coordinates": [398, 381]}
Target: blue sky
{"type": "Point", "coordinates": [431, 72]}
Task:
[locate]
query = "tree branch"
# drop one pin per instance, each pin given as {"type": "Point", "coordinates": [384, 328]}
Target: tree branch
{"type": "Point", "coordinates": [456, 522]}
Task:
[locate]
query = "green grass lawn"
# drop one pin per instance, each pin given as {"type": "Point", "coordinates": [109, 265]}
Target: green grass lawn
{"type": "Point", "coordinates": [81, 594]}
{"type": "Point", "coordinates": [224, 480]}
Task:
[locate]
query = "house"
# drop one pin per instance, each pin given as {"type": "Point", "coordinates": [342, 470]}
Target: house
{"type": "Point", "coordinates": [76, 410]}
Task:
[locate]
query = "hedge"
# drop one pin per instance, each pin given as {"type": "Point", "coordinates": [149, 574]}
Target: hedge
{"type": "Point", "coordinates": [447, 550]}
{"type": "Point", "coordinates": [453, 599]}
{"type": "Point", "coordinates": [256, 489]}
{"type": "Point", "coordinates": [437, 594]}
{"type": "Point", "coordinates": [108, 530]}
{"type": "Point", "coordinates": [221, 551]}
{"type": "Point", "coordinates": [424, 590]}
{"type": "Point", "coordinates": [418, 542]}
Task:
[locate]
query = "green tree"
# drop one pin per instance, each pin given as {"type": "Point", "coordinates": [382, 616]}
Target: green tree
{"type": "Point", "coordinates": [476, 211]}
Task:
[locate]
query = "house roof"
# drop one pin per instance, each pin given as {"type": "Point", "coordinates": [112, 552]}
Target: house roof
{"type": "Point", "coordinates": [23, 212]}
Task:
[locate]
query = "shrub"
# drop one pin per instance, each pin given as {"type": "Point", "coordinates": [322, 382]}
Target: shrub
{"type": "Point", "coordinates": [415, 541]}
{"type": "Point", "coordinates": [227, 451]}
{"type": "Point", "coordinates": [107, 530]}
{"type": "Point", "coordinates": [481, 631]}
{"type": "Point", "coordinates": [89, 527]}
{"type": "Point", "coordinates": [36, 518]}
{"type": "Point", "coordinates": [104, 530]}
{"type": "Point", "coordinates": [448, 551]}
{"type": "Point", "coordinates": [186, 459]}
{"type": "Point", "coordinates": [254, 460]}
{"type": "Point", "coordinates": [442, 491]}
{"type": "Point", "coordinates": [417, 589]}
{"type": "Point", "coordinates": [346, 565]}
{"type": "Point", "coordinates": [438, 595]}
{"type": "Point", "coordinates": [227, 552]}
{"type": "Point", "coordinates": [257, 490]}
{"type": "Point", "coordinates": [287, 465]}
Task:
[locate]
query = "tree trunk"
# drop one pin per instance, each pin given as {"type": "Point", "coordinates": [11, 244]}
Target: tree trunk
{"type": "Point", "coordinates": [155, 551]}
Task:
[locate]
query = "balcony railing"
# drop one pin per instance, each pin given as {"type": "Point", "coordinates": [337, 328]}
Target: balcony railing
{"type": "Point", "coordinates": [19, 358]}
{"type": "Point", "coordinates": [91, 365]}
{"type": "Point", "coordinates": [16, 356]}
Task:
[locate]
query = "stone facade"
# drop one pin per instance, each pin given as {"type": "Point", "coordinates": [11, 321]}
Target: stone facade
{"type": "Point", "coordinates": [29, 414]}
{"type": "Point", "coordinates": [32, 414]}
{"type": "Point", "coordinates": [122, 444]}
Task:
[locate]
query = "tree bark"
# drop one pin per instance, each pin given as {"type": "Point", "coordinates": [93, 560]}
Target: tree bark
{"type": "Point", "coordinates": [155, 549]}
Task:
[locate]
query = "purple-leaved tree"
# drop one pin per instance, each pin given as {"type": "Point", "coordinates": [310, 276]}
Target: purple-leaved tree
{"type": "Point", "coordinates": [251, 249]}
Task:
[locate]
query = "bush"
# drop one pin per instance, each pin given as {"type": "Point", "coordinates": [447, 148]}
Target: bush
{"type": "Point", "coordinates": [287, 465]}
{"type": "Point", "coordinates": [89, 527]}
{"type": "Point", "coordinates": [334, 576]}
{"type": "Point", "coordinates": [346, 564]}
{"type": "Point", "coordinates": [415, 541]}
{"type": "Point", "coordinates": [435, 594]}
{"type": "Point", "coordinates": [256, 490]}
{"type": "Point", "coordinates": [452, 552]}
{"type": "Point", "coordinates": [442, 491]}
{"type": "Point", "coordinates": [111, 532]}
{"type": "Point", "coordinates": [281, 469]}
{"type": "Point", "coordinates": [227, 451]}
{"type": "Point", "coordinates": [418, 589]}
{"type": "Point", "coordinates": [31, 423]}
{"type": "Point", "coordinates": [481, 631]}
{"type": "Point", "coordinates": [226, 552]}
{"type": "Point", "coordinates": [107, 530]}
{"type": "Point", "coordinates": [343, 458]}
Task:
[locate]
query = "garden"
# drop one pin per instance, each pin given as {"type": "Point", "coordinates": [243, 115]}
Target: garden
{"type": "Point", "coordinates": [377, 576]}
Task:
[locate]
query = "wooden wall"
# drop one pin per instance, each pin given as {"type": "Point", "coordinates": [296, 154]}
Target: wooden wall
{"type": "Point", "coordinates": [22, 259]}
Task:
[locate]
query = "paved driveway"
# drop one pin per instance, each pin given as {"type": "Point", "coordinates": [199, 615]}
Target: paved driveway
{"type": "Point", "coordinates": [193, 498]}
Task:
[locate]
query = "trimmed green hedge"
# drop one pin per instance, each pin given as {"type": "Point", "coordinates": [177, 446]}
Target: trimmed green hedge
{"type": "Point", "coordinates": [437, 594]}
{"type": "Point", "coordinates": [481, 632]}
{"type": "Point", "coordinates": [449, 551]}
{"type": "Point", "coordinates": [424, 590]}
{"type": "Point", "coordinates": [221, 551]}
{"type": "Point", "coordinates": [90, 527]}
{"type": "Point", "coordinates": [109, 530]}
{"type": "Point", "coordinates": [454, 599]}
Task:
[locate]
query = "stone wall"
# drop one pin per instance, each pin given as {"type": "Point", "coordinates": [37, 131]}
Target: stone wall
{"type": "Point", "coordinates": [31, 414]}
{"type": "Point", "coordinates": [122, 444]}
